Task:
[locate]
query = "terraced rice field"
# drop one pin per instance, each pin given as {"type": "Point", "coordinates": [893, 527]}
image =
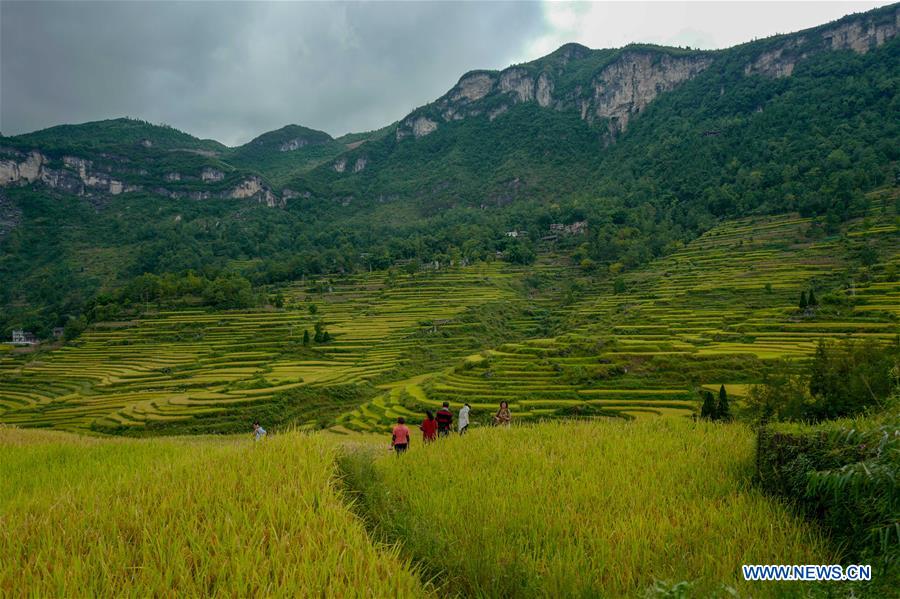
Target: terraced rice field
{"type": "Point", "coordinates": [175, 365]}
{"type": "Point", "coordinates": [716, 312]}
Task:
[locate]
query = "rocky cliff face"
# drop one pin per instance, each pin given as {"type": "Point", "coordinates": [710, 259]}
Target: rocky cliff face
{"type": "Point", "coordinates": [860, 35]}
{"type": "Point", "coordinates": [618, 91]}
{"type": "Point", "coordinates": [293, 144]}
{"type": "Point", "coordinates": [254, 188]}
{"type": "Point", "coordinates": [623, 87]}
{"type": "Point", "coordinates": [78, 176]}
{"type": "Point", "coordinates": [629, 84]}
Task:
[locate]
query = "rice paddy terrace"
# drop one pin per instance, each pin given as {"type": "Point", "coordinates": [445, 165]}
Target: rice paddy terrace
{"type": "Point", "coordinates": [718, 311]}
{"type": "Point", "coordinates": [173, 366]}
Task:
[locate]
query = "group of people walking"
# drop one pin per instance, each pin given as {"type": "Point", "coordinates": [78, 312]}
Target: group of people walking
{"type": "Point", "coordinates": [440, 424]}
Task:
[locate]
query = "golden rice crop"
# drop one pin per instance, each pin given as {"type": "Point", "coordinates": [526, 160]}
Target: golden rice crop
{"type": "Point", "coordinates": [82, 517]}
{"type": "Point", "coordinates": [601, 509]}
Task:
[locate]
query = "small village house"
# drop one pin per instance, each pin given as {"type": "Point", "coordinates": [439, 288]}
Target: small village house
{"type": "Point", "coordinates": [20, 337]}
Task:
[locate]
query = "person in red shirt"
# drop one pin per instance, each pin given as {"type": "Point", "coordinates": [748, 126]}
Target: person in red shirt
{"type": "Point", "coordinates": [400, 436]}
{"type": "Point", "coordinates": [429, 427]}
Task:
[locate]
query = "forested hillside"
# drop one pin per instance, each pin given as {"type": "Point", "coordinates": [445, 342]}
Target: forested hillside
{"type": "Point", "coordinates": [647, 146]}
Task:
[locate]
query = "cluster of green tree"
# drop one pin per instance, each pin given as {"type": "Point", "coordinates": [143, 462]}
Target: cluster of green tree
{"type": "Point", "coordinates": [843, 379]}
{"type": "Point", "coordinates": [225, 291]}
{"type": "Point", "coordinates": [321, 334]}
{"type": "Point", "coordinates": [120, 135]}
{"type": "Point", "coordinates": [808, 301]}
{"type": "Point", "coordinates": [715, 410]}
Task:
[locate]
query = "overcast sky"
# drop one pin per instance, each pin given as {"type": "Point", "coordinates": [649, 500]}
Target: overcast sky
{"type": "Point", "coordinates": [232, 70]}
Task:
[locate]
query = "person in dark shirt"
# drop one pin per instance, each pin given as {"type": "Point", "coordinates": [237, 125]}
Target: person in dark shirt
{"type": "Point", "coordinates": [444, 420]}
{"type": "Point", "coordinates": [429, 427]}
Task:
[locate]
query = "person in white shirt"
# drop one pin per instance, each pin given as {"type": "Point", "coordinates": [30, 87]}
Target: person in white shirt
{"type": "Point", "coordinates": [464, 418]}
{"type": "Point", "coordinates": [258, 431]}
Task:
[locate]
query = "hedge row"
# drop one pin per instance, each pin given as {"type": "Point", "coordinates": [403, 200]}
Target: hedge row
{"type": "Point", "coordinates": [846, 475]}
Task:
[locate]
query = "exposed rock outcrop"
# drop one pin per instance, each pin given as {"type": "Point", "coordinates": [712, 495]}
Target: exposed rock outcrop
{"type": "Point", "coordinates": [472, 87]}
{"type": "Point", "coordinates": [859, 35]}
{"type": "Point", "coordinates": [774, 63]}
{"type": "Point", "coordinates": [78, 177]}
{"type": "Point", "coordinates": [340, 165]}
{"type": "Point", "coordinates": [544, 94]}
{"type": "Point", "coordinates": [253, 187]}
{"type": "Point", "coordinates": [519, 82]}
{"type": "Point", "coordinates": [862, 35]}
{"type": "Point", "coordinates": [20, 169]}
{"type": "Point", "coordinates": [628, 85]}
{"type": "Point", "coordinates": [293, 144]}
{"type": "Point", "coordinates": [417, 126]}
{"type": "Point", "coordinates": [360, 164]}
{"type": "Point", "coordinates": [635, 76]}
{"type": "Point", "coordinates": [211, 175]}
{"type": "Point", "coordinates": [497, 112]}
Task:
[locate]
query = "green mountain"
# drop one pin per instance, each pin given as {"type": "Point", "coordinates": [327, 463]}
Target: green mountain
{"type": "Point", "coordinates": [645, 147]}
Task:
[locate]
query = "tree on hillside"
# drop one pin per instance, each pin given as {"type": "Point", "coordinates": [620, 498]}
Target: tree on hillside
{"type": "Point", "coordinates": [313, 308]}
{"type": "Point", "coordinates": [849, 377]}
{"type": "Point", "coordinates": [305, 336]}
{"type": "Point", "coordinates": [708, 409]}
{"type": "Point", "coordinates": [803, 302]}
{"type": "Point", "coordinates": [321, 335]}
{"type": "Point", "coordinates": [811, 301]}
{"type": "Point", "coordinates": [722, 410]}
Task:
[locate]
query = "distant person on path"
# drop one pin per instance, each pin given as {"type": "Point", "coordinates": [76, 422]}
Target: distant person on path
{"type": "Point", "coordinates": [400, 436]}
{"type": "Point", "coordinates": [429, 427]}
{"type": "Point", "coordinates": [258, 431]}
{"type": "Point", "coordinates": [444, 420]}
{"type": "Point", "coordinates": [464, 418]}
{"type": "Point", "coordinates": [502, 417]}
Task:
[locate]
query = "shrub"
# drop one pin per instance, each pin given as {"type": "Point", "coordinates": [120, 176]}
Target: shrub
{"type": "Point", "coordinates": [846, 475]}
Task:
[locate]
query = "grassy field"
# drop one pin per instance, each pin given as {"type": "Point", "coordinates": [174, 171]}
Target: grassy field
{"type": "Point", "coordinates": [595, 509]}
{"type": "Point", "coordinates": [557, 509]}
{"type": "Point", "coordinates": [82, 517]}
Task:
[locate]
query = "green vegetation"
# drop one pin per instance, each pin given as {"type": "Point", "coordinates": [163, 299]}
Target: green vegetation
{"type": "Point", "coordinates": [843, 379]}
{"type": "Point", "coordinates": [844, 474]}
{"type": "Point", "coordinates": [588, 509]}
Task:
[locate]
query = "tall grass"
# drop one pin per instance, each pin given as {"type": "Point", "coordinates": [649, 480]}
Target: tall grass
{"type": "Point", "coordinates": [82, 517]}
{"type": "Point", "coordinates": [590, 509]}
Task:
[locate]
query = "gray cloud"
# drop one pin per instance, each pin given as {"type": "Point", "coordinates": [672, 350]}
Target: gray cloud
{"type": "Point", "coordinates": [231, 70]}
